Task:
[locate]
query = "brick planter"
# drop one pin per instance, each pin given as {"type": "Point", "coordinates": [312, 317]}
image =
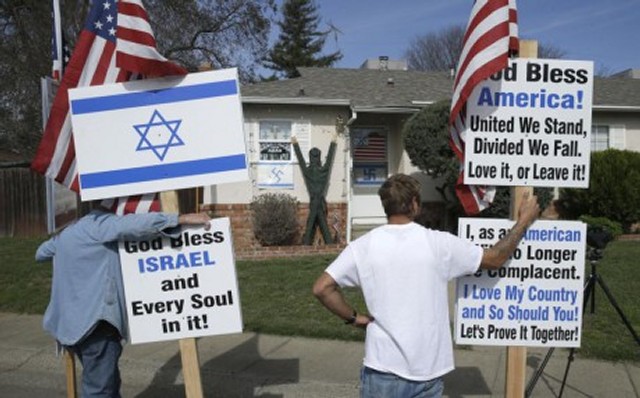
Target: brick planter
{"type": "Point", "coordinates": [247, 247]}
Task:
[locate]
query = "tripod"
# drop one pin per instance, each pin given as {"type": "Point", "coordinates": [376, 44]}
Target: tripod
{"type": "Point", "coordinates": [595, 255]}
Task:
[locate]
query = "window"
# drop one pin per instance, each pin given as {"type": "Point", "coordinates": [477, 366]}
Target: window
{"type": "Point", "coordinates": [271, 150]}
{"type": "Point", "coordinates": [369, 148]}
{"type": "Point", "coordinates": [275, 140]}
{"type": "Point", "coordinates": [599, 138]}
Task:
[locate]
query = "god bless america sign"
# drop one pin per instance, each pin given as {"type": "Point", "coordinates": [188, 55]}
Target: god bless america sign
{"type": "Point", "coordinates": [530, 125]}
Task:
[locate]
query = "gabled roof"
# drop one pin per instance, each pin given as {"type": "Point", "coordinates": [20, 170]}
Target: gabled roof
{"type": "Point", "coordinates": [399, 89]}
{"type": "Point", "coordinates": [616, 93]}
{"type": "Point", "coordinates": [362, 88]}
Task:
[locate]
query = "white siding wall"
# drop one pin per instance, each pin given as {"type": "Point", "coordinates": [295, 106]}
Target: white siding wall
{"type": "Point", "coordinates": [314, 127]}
{"type": "Point", "coordinates": [624, 129]}
{"type": "Point", "coordinates": [624, 134]}
{"type": "Point", "coordinates": [429, 193]}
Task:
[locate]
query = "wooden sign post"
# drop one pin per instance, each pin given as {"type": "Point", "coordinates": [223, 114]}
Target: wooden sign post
{"type": "Point", "coordinates": [517, 356]}
{"type": "Point", "coordinates": [188, 346]}
{"type": "Point", "coordinates": [70, 367]}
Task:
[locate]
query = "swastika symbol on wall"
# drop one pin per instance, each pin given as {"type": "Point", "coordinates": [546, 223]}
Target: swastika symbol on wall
{"type": "Point", "coordinates": [276, 174]}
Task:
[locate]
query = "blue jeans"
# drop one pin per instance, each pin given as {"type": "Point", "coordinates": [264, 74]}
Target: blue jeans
{"type": "Point", "coordinates": [374, 384]}
{"type": "Point", "coordinates": [99, 354]}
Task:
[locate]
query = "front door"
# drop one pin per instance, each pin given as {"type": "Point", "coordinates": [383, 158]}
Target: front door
{"type": "Point", "coordinates": [370, 168]}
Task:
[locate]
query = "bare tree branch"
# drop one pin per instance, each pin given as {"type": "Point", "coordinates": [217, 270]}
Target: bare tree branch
{"type": "Point", "coordinates": [440, 51]}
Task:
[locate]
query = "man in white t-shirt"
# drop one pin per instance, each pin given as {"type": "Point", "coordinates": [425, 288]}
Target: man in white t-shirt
{"type": "Point", "coordinates": [403, 270]}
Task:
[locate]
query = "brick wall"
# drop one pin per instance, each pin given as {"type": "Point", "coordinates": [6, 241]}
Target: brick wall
{"type": "Point", "coordinates": [247, 247]}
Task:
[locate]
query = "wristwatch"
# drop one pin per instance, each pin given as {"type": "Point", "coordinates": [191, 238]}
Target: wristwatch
{"type": "Point", "coordinates": [351, 320]}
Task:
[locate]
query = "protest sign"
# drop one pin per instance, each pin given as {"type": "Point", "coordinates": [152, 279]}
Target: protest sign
{"type": "Point", "coordinates": [530, 125]}
{"type": "Point", "coordinates": [181, 287]}
{"type": "Point", "coordinates": [159, 134]}
{"type": "Point", "coordinates": [536, 298]}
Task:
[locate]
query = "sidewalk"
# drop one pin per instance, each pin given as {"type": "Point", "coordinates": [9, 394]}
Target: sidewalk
{"type": "Point", "coordinates": [252, 365]}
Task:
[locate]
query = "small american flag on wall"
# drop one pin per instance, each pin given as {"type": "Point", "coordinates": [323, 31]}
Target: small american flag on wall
{"type": "Point", "coordinates": [370, 146]}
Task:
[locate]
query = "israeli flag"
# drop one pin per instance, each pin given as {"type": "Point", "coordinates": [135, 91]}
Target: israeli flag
{"type": "Point", "coordinates": [159, 134]}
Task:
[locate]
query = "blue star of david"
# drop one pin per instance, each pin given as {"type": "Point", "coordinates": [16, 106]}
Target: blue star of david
{"type": "Point", "coordinates": [158, 135]}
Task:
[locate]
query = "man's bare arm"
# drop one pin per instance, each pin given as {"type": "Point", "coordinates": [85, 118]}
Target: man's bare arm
{"type": "Point", "coordinates": [328, 293]}
{"type": "Point", "coordinates": [495, 256]}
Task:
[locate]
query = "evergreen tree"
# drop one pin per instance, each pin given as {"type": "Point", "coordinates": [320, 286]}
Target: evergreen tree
{"type": "Point", "coordinates": [426, 140]}
{"type": "Point", "coordinates": [300, 42]}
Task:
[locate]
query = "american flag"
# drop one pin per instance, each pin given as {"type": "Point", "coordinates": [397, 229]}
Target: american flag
{"type": "Point", "coordinates": [59, 49]}
{"type": "Point", "coordinates": [370, 147]}
{"type": "Point", "coordinates": [491, 36]}
{"type": "Point", "coordinates": [101, 56]}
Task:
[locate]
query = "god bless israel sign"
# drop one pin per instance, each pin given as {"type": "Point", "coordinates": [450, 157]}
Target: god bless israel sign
{"type": "Point", "coordinates": [182, 286]}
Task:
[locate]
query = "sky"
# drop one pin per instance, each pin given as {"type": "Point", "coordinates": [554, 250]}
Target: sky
{"type": "Point", "coordinates": [606, 32]}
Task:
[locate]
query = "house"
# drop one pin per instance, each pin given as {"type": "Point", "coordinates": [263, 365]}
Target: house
{"type": "Point", "coordinates": [367, 108]}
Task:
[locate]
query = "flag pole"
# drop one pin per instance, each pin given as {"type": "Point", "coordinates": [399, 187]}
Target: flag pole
{"type": "Point", "coordinates": [517, 356]}
{"type": "Point", "coordinates": [188, 346]}
{"type": "Point", "coordinates": [57, 71]}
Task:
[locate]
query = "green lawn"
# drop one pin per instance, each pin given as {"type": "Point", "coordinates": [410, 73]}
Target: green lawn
{"type": "Point", "coordinates": [276, 297]}
{"type": "Point", "coordinates": [604, 334]}
{"type": "Point", "coordinates": [24, 284]}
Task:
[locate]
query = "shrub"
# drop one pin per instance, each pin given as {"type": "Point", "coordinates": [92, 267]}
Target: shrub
{"type": "Point", "coordinates": [426, 140]}
{"type": "Point", "coordinates": [614, 189]}
{"type": "Point", "coordinates": [602, 223]}
{"type": "Point", "coordinates": [275, 221]}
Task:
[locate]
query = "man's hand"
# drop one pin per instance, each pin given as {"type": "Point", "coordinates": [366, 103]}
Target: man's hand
{"type": "Point", "coordinates": [195, 219]}
{"type": "Point", "coordinates": [362, 320]}
{"type": "Point", "coordinates": [334, 137]}
{"type": "Point", "coordinates": [294, 139]}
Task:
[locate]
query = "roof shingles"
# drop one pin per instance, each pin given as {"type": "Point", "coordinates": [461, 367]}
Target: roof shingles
{"type": "Point", "coordinates": [400, 88]}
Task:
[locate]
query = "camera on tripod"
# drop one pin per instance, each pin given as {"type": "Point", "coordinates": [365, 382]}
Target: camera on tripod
{"type": "Point", "coordinates": [597, 239]}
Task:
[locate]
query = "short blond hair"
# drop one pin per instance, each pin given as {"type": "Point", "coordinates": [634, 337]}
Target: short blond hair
{"type": "Point", "coordinates": [397, 194]}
